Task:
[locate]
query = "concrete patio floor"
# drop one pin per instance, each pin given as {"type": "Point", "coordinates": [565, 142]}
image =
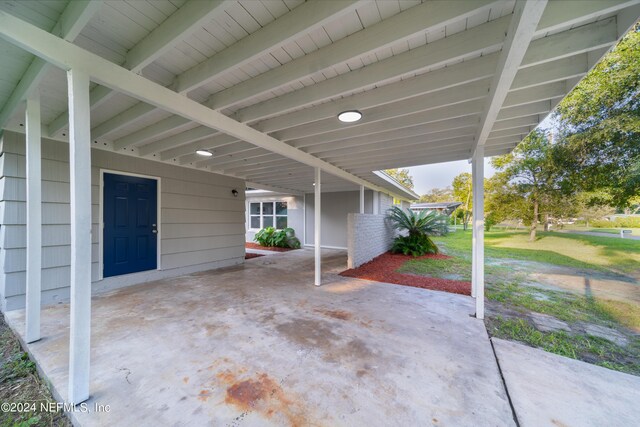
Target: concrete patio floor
{"type": "Point", "coordinates": [260, 345]}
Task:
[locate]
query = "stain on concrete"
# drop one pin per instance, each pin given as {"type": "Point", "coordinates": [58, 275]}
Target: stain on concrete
{"type": "Point", "coordinates": [336, 314]}
{"type": "Point", "coordinates": [204, 395]}
{"type": "Point", "coordinates": [185, 380]}
{"type": "Point", "coordinates": [309, 333]}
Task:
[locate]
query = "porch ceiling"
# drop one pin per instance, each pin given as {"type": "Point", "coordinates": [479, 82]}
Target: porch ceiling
{"type": "Point", "coordinates": [433, 79]}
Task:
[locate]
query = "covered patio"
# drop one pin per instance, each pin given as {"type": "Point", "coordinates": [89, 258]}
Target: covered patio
{"type": "Point", "coordinates": [145, 90]}
{"type": "Point", "coordinates": [255, 345]}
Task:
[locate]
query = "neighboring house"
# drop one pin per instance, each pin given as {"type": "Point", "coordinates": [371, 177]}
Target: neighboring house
{"type": "Point", "coordinates": [445, 208]}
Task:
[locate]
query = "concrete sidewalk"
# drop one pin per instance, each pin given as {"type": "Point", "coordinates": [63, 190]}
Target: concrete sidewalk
{"type": "Point", "coordinates": [556, 391]}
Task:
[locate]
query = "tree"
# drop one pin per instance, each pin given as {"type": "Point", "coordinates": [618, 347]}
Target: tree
{"type": "Point", "coordinates": [402, 176]}
{"type": "Point", "coordinates": [533, 182]}
{"type": "Point", "coordinates": [599, 124]}
{"type": "Point", "coordinates": [436, 195]}
{"type": "Point", "coordinates": [462, 192]}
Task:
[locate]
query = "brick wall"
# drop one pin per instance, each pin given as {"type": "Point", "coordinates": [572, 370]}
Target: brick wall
{"type": "Point", "coordinates": [367, 237]}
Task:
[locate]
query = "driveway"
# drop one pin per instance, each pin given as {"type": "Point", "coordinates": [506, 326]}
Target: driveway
{"type": "Point", "coordinates": [260, 345]}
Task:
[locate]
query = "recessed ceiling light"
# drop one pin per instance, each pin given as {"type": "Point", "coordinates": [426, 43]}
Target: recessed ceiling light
{"type": "Point", "coordinates": [204, 153]}
{"type": "Point", "coordinates": [350, 116]}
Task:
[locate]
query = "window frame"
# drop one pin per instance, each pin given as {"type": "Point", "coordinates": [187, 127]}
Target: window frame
{"type": "Point", "coordinates": [273, 215]}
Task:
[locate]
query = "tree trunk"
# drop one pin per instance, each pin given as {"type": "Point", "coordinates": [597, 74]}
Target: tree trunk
{"type": "Point", "coordinates": [534, 222]}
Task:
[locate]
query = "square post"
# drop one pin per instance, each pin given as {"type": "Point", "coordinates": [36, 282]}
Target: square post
{"type": "Point", "coordinates": [478, 228]}
{"type": "Point", "coordinates": [34, 218]}
{"type": "Point", "coordinates": [317, 218]}
{"type": "Point", "coordinates": [474, 172]}
{"type": "Point", "coordinates": [362, 199]}
{"type": "Point", "coordinates": [376, 202]}
{"type": "Point", "coordinates": [80, 183]}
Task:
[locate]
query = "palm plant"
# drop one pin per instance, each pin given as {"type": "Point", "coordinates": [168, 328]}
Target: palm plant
{"type": "Point", "coordinates": [418, 226]}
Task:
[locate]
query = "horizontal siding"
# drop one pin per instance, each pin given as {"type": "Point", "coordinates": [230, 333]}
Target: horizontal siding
{"type": "Point", "coordinates": [201, 222]}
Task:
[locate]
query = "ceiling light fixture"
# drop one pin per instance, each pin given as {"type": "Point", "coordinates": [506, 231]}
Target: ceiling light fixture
{"type": "Point", "coordinates": [350, 116]}
{"type": "Point", "coordinates": [204, 153]}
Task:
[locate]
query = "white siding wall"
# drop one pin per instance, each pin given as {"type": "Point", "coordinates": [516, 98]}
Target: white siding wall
{"type": "Point", "coordinates": [295, 213]}
{"type": "Point", "coordinates": [202, 225]}
{"type": "Point", "coordinates": [335, 208]}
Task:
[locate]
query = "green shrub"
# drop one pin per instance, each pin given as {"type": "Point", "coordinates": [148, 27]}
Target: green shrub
{"type": "Point", "coordinates": [414, 245]}
{"type": "Point", "coordinates": [419, 226]}
{"type": "Point", "coordinates": [285, 238]}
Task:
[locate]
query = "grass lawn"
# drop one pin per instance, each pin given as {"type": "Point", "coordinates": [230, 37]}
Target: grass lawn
{"type": "Point", "coordinates": [512, 296]}
{"type": "Point", "coordinates": [20, 383]}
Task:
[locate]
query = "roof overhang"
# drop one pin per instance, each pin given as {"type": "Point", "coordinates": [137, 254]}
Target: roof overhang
{"type": "Point", "coordinates": [263, 91]}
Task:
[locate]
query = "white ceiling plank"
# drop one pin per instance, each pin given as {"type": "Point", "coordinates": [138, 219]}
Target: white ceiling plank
{"type": "Point", "coordinates": [491, 35]}
{"type": "Point", "coordinates": [210, 142]}
{"type": "Point", "coordinates": [186, 137]}
{"type": "Point", "coordinates": [430, 116]}
{"type": "Point", "coordinates": [414, 159]}
{"type": "Point", "coordinates": [526, 96]}
{"type": "Point", "coordinates": [444, 78]}
{"type": "Point", "coordinates": [417, 142]}
{"type": "Point", "coordinates": [429, 101]}
{"type": "Point", "coordinates": [287, 27]}
{"type": "Point", "coordinates": [406, 24]}
{"type": "Point", "coordinates": [67, 56]}
{"type": "Point", "coordinates": [393, 134]}
{"type": "Point", "coordinates": [509, 132]}
{"type": "Point", "coordinates": [523, 25]}
{"type": "Point", "coordinates": [245, 159]}
{"type": "Point", "coordinates": [572, 42]}
{"type": "Point", "coordinates": [435, 54]}
{"type": "Point", "coordinates": [145, 134]}
{"type": "Point", "coordinates": [310, 15]}
{"type": "Point", "coordinates": [237, 147]}
{"type": "Point", "coordinates": [72, 20]}
{"type": "Point", "coordinates": [540, 107]}
{"type": "Point", "coordinates": [180, 25]}
{"type": "Point", "coordinates": [119, 121]}
{"type": "Point", "coordinates": [532, 120]}
{"type": "Point", "coordinates": [176, 28]}
{"type": "Point", "coordinates": [417, 147]}
{"type": "Point", "coordinates": [276, 189]}
{"type": "Point", "coordinates": [565, 14]}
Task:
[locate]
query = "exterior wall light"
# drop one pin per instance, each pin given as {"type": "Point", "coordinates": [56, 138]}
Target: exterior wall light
{"type": "Point", "coordinates": [204, 153]}
{"type": "Point", "coordinates": [350, 116]}
{"type": "Point", "coordinates": [234, 192]}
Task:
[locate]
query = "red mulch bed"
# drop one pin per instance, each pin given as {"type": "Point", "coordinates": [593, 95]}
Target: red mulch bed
{"type": "Point", "coordinates": [250, 255]}
{"type": "Point", "coordinates": [384, 269]}
{"type": "Point", "coordinates": [250, 245]}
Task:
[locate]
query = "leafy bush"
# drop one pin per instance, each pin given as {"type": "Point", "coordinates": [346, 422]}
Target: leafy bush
{"type": "Point", "coordinates": [619, 222]}
{"type": "Point", "coordinates": [285, 238]}
{"type": "Point", "coordinates": [414, 245]}
{"type": "Point", "coordinates": [419, 226]}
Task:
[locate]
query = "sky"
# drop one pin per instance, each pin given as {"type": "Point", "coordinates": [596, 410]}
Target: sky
{"type": "Point", "coordinates": [441, 174]}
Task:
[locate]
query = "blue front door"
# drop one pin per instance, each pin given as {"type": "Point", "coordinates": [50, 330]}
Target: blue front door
{"type": "Point", "coordinates": [130, 224]}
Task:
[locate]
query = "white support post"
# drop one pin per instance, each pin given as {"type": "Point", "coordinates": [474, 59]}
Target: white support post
{"type": "Point", "coordinates": [362, 199]}
{"type": "Point", "coordinates": [80, 182]}
{"type": "Point", "coordinates": [34, 219]}
{"type": "Point", "coordinates": [376, 202]}
{"type": "Point", "coordinates": [478, 227]}
{"type": "Point", "coordinates": [473, 229]}
{"type": "Point", "coordinates": [317, 218]}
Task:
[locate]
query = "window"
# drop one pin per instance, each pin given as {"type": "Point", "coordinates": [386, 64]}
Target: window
{"type": "Point", "coordinates": [268, 214]}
